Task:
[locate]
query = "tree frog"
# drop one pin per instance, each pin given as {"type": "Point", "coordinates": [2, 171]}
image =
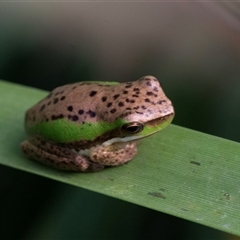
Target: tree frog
{"type": "Point", "coordinates": [87, 126]}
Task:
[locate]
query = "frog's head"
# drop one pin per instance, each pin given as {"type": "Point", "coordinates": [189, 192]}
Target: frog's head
{"type": "Point", "coordinates": [143, 109]}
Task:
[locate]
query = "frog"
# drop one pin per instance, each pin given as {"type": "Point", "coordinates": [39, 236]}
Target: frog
{"type": "Point", "coordinates": [91, 125]}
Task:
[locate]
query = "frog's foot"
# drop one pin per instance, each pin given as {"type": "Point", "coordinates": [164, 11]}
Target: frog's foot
{"type": "Point", "coordinates": [57, 156]}
{"type": "Point", "coordinates": [113, 155]}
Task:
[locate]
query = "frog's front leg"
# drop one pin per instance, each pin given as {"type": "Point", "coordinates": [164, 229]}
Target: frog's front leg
{"type": "Point", "coordinates": [115, 154]}
{"type": "Point", "coordinates": [57, 156]}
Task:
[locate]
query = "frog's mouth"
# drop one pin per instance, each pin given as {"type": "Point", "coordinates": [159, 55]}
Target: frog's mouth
{"type": "Point", "coordinates": [124, 139]}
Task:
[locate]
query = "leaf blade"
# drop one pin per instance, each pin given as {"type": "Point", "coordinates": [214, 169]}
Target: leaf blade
{"type": "Point", "coordinates": [178, 171]}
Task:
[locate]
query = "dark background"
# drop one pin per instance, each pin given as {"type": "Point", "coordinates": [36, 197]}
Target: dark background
{"type": "Point", "coordinates": [192, 48]}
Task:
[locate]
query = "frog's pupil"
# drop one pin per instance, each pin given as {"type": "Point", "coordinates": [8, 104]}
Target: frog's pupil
{"type": "Point", "coordinates": [133, 127]}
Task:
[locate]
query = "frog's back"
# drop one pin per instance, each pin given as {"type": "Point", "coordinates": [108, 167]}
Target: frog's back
{"type": "Point", "coordinates": [84, 102]}
{"type": "Point", "coordinates": [60, 102]}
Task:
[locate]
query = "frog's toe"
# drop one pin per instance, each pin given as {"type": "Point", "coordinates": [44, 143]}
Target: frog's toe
{"type": "Point", "coordinates": [94, 167]}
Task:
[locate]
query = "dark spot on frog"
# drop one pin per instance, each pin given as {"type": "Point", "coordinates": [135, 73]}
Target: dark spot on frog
{"type": "Point", "coordinates": [113, 110]}
{"type": "Point", "coordinates": [120, 104]}
{"type": "Point", "coordinates": [74, 87]}
{"type": "Point", "coordinates": [109, 104]}
{"type": "Point", "coordinates": [92, 93]}
{"type": "Point", "coordinates": [49, 103]}
{"type": "Point", "coordinates": [139, 112]}
{"type": "Point", "coordinates": [143, 107]}
{"type": "Point", "coordinates": [148, 83]}
{"type": "Point", "coordinates": [104, 99]}
{"type": "Point", "coordinates": [81, 111]}
{"type": "Point", "coordinates": [149, 93]}
{"type": "Point", "coordinates": [62, 98]}
{"type": "Point", "coordinates": [136, 89]}
{"type": "Point", "coordinates": [161, 101]}
{"type": "Point", "coordinates": [56, 93]}
{"type": "Point", "coordinates": [116, 96]}
{"type": "Point", "coordinates": [55, 117]}
{"type": "Point", "coordinates": [134, 95]}
{"type": "Point", "coordinates": [157, 194]}
{"type": "Point", "coordinates": [155, 89]}
{"type": "Point", "coordinates": [147, 100]}
{"type": "Point", "coordinates": [128, 108]}
{"type": "Point", "coordinates": [132, 101]}
{"type": "Point", "coordinates": [196, 163]}
{"type": "Point", "coordinates": [42, 107]}
{"type": "Point", "coordinates": [136, 108]}
{"type": "Point", "coordinates": [55, 100]}
{"type": "Point", "coordinates": [128, 86]}
{"type": "Point", "coordinates": [70, 108]}
{"type": "Point", "coordinates": [91, 113]}
{"type": "Point", "coordinates": [125, 92]}
{"type": "Point", "coordinates": [74, 118]}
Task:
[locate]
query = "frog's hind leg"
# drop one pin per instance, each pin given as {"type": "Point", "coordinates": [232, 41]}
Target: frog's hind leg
{"type": "Point", "coordinates": [57, 156]}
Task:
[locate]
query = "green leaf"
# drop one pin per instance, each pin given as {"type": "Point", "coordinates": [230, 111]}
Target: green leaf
{"type": "Point", "coordinates": [181, 172]}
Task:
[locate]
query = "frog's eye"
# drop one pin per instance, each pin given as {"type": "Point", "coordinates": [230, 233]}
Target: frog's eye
{"type": "Point", "coordinates": [133, 127]}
